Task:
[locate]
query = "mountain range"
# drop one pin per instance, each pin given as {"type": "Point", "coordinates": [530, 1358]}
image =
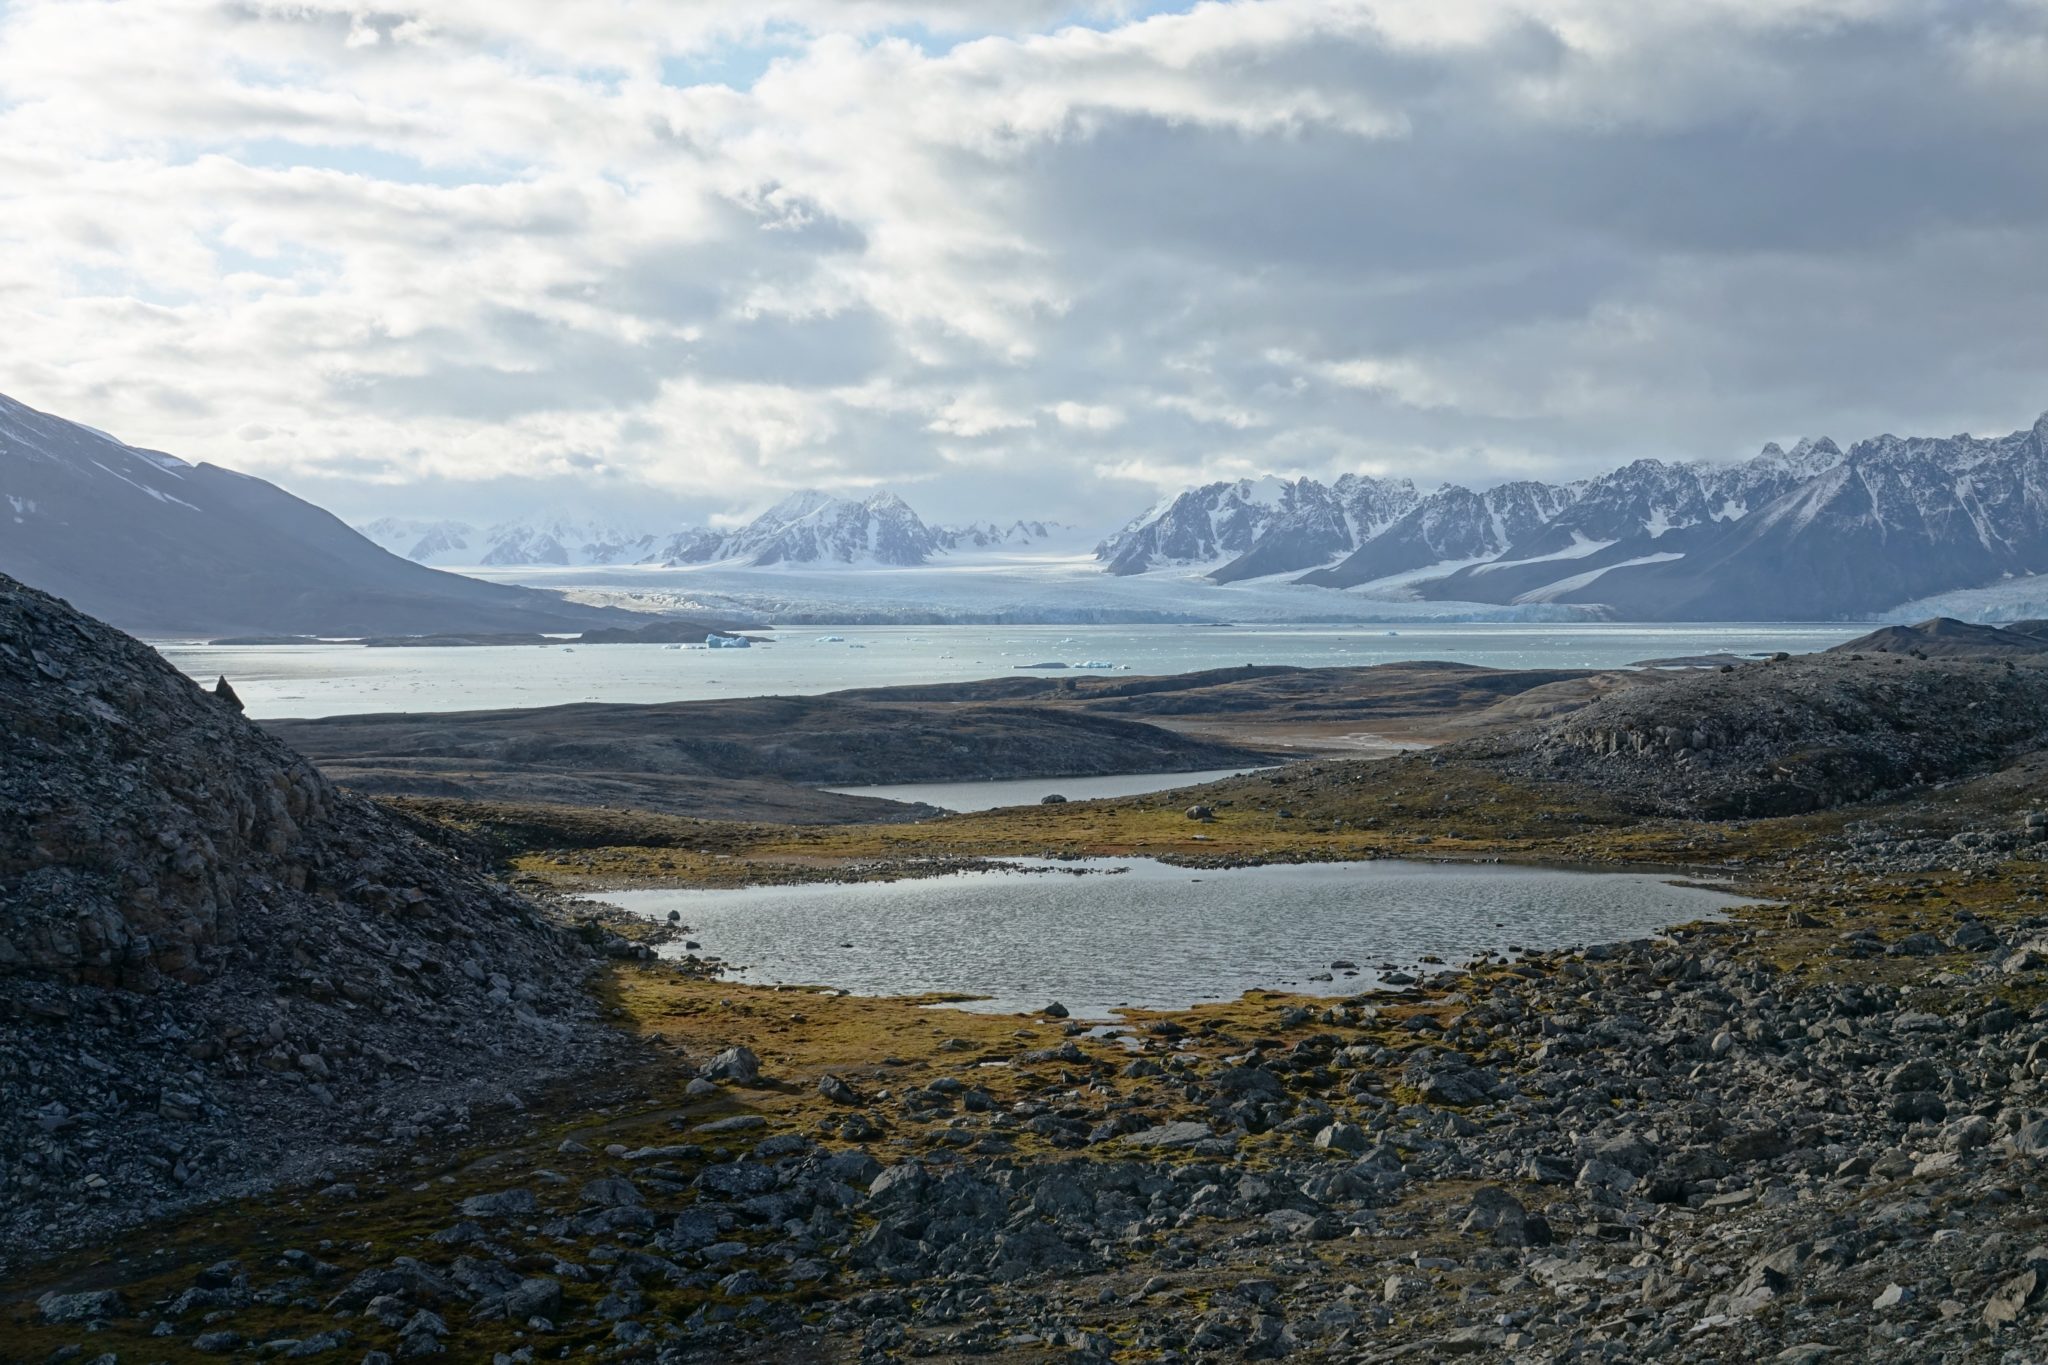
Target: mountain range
{"type": "Point", "coordinates": [156, 545]}
{"type": "Point", "coordinates": [806, 528]}
{"type": "Point", "coordinates": [563, 541]}
{"type": "Point", "coordinates": [1813, 533]}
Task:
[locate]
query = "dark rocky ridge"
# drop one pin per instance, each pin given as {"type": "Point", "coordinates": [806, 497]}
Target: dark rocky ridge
{"type": "Point", "coordinates": [215, 967]}
{"type": "Point", "coordinates": [687, 757]}
{"type": "Point", "coordinates": [1944, 637]}
{"type": "Point", "coordinates": [1785, 736]}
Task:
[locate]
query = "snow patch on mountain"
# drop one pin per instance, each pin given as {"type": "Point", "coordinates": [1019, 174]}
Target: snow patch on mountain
{"type": "Point", "coordinates": [1553, 591]}
{"type": "Point", "coordinates": [1578, 549]}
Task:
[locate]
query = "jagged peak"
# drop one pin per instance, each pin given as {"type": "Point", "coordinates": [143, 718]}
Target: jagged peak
{"type": "Point", "coordinates": [798, 505]}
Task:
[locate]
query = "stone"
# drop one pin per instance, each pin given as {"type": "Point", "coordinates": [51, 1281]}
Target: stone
{"type": "Point", "coordinates": [611, 1192]}
{"type": "Point", "coordinates": [82, 1307]}
{"type": "Point", "coordinates": [2012, 1298]}
{"type": "Point", "coordinates": [1342, 1137]}
{"type": "Point", "coordinates": [737, 1064]}
{"type": "Point", "coordinates": [737, 1123]}
{"type": "Point", "coordinates": [837, 1090]}
{"type": "Point", "coordinates": [503, 1204]}
{"type": "Point", "coordinates": [1596, 1174]}
{"type": "Point", "coordinates": [538, 1296]}
{"type": "Point", "coordinates": [2030, 1139]}
{"type": "Point", "coordinates": [1054, 1011]}
{"type": "Point", "coordinates": [1184, 1133]}
{"type": "Point", "coordinates": [1494, 1210]}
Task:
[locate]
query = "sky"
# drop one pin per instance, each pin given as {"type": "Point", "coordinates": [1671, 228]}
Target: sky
{"type": "Point", "coordinates": [668, 261]}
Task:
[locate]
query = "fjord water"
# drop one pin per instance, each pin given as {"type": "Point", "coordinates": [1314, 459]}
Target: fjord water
{"type": "Point", "coordinates": [348, 679]}
{"type": "Point", "coordinates": [1105, 933]}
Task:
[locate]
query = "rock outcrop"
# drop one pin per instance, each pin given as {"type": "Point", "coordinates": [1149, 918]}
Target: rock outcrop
{"type": "Point", "coordinates": [1788, 735]}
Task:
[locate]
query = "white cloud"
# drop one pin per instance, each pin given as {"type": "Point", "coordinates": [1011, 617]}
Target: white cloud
{"type": "Point", "coordinates": [716, 250]}
{"type": "Point", "coordinates": [1087, 416]}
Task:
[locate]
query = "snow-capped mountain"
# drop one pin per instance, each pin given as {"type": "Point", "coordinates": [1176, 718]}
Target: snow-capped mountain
{"type": "Point", "coordinates": [1323, 525]}
{"type": "Point", "coordinates": [1203, 525]}
{"type": "Point", "coordinates": [423, 542]}
{"type": "Point", "coordinates": [564, 541]}
{"type": "Point", "coordinates": [1807, 533]}
{"type": "Point", "coordinates": [1451, 526]}
{"type": "Point", "coordinates": [814, 528]}
{"type": "Point", "coordinates": [991, 535]}
{"type": "Point", "coordinates": [539, 541]}
{"type": "Point", "coordinates": [1842, 535]}
{"type": "Point", "coordinates": [1650, 497]}
{"type": "Point", "coordinates": [1257, 526]}
{"type": "Point", "coordinates": [155, 545]}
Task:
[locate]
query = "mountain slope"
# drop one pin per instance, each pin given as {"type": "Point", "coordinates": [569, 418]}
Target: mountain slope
{"type": "Point", "coordinates": [158, 546]}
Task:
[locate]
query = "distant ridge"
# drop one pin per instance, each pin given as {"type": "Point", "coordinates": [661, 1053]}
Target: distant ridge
{"type": "Point", "coordinates": [1944, 637]}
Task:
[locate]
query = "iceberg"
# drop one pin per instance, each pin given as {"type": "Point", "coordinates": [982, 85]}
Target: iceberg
{"type": "Point", "coordinates": [717, 641]}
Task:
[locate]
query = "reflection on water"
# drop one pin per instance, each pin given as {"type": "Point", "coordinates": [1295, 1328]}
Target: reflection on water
{"type": "Point", "coordinates": [1142, 933]}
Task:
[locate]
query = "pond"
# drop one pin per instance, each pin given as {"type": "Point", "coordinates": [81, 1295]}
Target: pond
{"type": "Point", "coordinates": [971, 796]}
{"type": "Point", "coordinates": [1101, 934]}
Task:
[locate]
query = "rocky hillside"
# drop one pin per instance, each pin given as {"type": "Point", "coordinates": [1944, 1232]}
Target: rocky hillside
{"type": "Point", "coordinates": [215, 966]}
{"type": "Point", "coordinates": [1788, 735]}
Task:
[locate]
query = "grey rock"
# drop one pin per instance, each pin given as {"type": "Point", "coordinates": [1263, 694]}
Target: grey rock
{"type": "Point", "coordinates": [512, 1203]}
{"type": "Point", "coordinates": [83, 1306]}
{"type": "Point", "coordinates": [1342, 1137]}
{"type": "Point", "coordinates": [736, 1064]}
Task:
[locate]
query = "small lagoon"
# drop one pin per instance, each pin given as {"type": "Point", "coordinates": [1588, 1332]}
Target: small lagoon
{"type": "Point", "coordinates": [973, 796]}
{"type": "Point", "coordinates": [1106, 933]}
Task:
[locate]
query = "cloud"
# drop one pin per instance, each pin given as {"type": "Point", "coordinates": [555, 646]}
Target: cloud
{"type": "Point", "coordinates": [1012, 253]}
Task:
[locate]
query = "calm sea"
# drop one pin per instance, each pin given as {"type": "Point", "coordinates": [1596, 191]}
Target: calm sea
{"type": "Point", "coordinates": [325, 680]}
